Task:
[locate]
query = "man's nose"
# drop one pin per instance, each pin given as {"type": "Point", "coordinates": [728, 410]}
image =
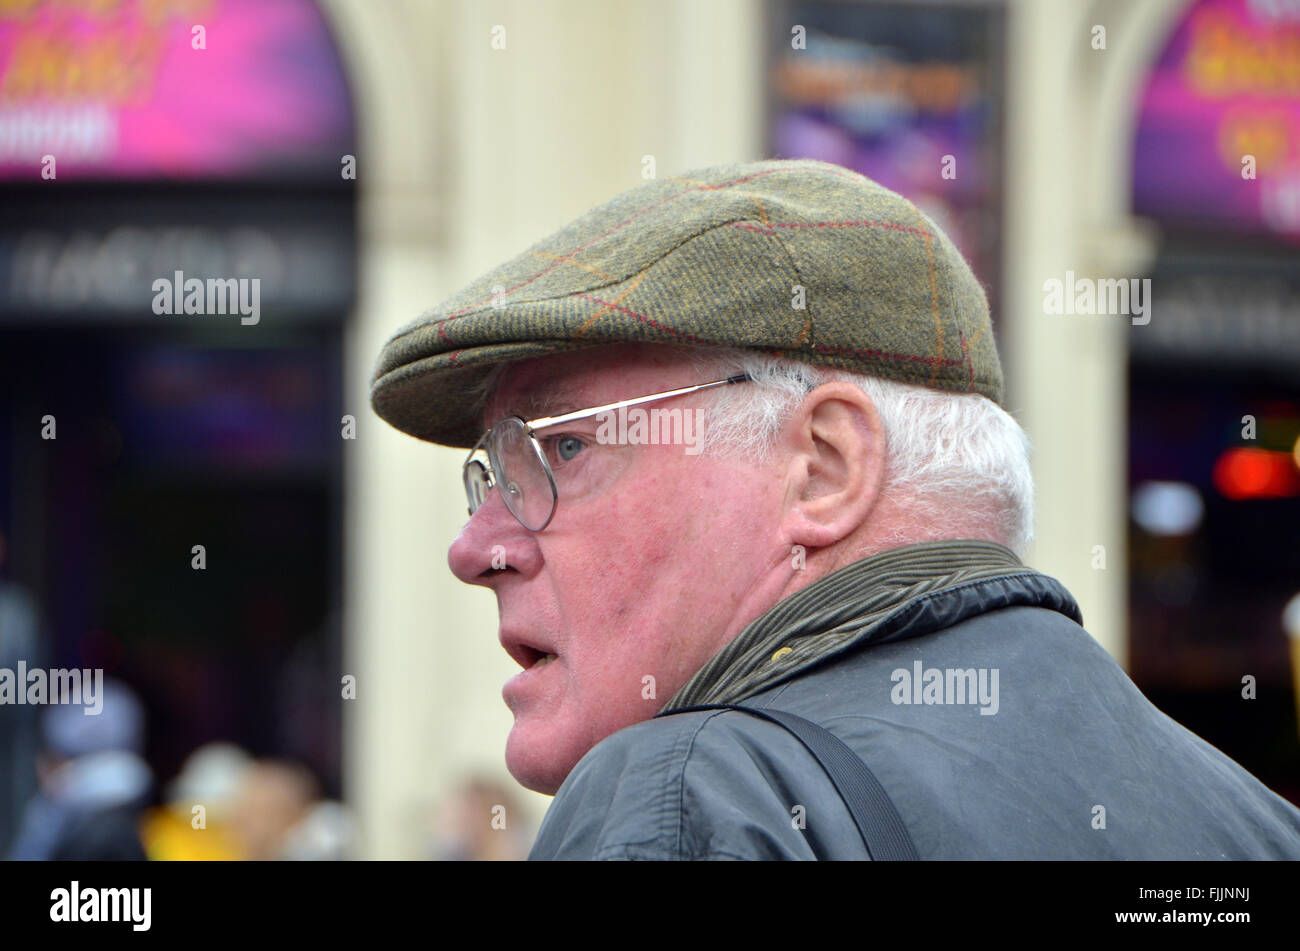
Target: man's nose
{"type": "Point", "coordinates": [491, 543]}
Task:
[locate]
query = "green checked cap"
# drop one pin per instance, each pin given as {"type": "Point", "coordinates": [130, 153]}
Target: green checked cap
{"type": "Point", "coordinates": [712, 258]}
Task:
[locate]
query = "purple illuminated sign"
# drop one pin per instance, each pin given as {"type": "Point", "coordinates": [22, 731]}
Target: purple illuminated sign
{"type": "Point", "coordinates": [1218, 138]}
{"type": "Point", "coordinates": [171, 89]}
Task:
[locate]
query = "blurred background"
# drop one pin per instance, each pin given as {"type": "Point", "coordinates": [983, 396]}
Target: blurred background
{"type": "Point", "coordinates": [322, 687]}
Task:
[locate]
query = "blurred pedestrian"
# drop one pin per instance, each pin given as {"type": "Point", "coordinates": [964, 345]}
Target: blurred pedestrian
{"type": "Point", "coordinates": [19, 728]}
{"type": "Point", "coordinates": [194, 823]}
{"type": "Point", "coordinates": [93, 782]}
{"type": "Point", "coordinates": [480, 821]}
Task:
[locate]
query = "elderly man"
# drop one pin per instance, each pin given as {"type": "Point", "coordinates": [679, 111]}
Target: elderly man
{"type": "Point", "coordinates": [740, 480]}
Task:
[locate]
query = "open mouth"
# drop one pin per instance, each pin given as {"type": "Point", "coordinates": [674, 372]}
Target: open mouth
{"type": "Point", "coordinates": [530, 658]}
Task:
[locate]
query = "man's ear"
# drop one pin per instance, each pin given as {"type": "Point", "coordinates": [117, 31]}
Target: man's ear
{"type": "Point", "coordinates": [835, 445]}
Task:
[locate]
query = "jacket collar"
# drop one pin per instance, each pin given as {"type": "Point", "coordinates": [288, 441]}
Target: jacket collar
{"type": "Point", "coordinates": [895, 594]}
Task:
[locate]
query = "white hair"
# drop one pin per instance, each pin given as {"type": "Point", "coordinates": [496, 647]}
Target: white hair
{"type": "Point", "coordinates": [957, 459]}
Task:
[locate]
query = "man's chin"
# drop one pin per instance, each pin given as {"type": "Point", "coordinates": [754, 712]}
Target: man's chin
{"type": "Point", "coordinates": [537, 760]}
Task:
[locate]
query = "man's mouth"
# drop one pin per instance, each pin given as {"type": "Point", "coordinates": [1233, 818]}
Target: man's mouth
{"type": "Point", "coordinates": [528, 657]}
{"type": "Point", "coordinates": [537, 659]}
{"type": "Point", "coordinates": [532, 660]}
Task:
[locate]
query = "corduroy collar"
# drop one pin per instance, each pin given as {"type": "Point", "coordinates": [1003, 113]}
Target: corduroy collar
{"type": "Point", "coordinates": [879, 598]}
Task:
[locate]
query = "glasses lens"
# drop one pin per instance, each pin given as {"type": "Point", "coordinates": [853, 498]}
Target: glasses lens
{"type": "Point", "coordinates": [476, 484]}
{"type": "Point", "coordinates": [521, 475]}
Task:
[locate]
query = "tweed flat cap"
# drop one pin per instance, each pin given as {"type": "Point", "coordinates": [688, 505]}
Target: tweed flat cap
{"type": "Point", "coordinates": [800, 259]}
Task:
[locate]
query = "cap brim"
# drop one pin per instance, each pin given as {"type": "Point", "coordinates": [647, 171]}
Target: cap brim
{"type": "Point", "coordinates": [434, 398]}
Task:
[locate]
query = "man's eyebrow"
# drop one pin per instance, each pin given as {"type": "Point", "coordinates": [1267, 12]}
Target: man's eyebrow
{"type": "Point", "coordinates": [550, 399]}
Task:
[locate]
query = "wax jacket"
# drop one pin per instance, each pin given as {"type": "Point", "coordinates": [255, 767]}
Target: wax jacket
{"type": "Point", "coordinates": [999, 728]}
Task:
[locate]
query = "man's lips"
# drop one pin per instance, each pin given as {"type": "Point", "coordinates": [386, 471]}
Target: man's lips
{"type": "Point", "coordinates": [527, 654]}
{"type": "Point", "coordinates": [521, 685]}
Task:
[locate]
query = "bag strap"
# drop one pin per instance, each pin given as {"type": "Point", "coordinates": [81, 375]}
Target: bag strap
{"type": "Point", "coordinates": [882, 829]}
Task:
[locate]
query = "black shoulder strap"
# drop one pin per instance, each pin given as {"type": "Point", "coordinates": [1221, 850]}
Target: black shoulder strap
{"type": "Point", "coordinates": [877, 819]}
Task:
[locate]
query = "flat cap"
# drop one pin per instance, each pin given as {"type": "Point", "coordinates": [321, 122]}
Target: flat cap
{"type": "Point", "coordinates": [799, 259]}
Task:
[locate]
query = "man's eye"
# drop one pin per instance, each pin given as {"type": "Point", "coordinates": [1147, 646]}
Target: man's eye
{"type": "Point", "coordinates": [566, 447]}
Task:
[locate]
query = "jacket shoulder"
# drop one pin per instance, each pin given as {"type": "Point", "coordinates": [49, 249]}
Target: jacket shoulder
{"type": "Point", "coordinates": [693, 786]}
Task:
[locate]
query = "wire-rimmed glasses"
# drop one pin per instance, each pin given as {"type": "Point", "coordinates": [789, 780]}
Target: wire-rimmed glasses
{"type": "Point", "coordinates": [517, 464]}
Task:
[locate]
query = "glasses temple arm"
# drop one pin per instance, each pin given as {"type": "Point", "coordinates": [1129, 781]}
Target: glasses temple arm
{"type": "Point", "coordinates": [545, 421]}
